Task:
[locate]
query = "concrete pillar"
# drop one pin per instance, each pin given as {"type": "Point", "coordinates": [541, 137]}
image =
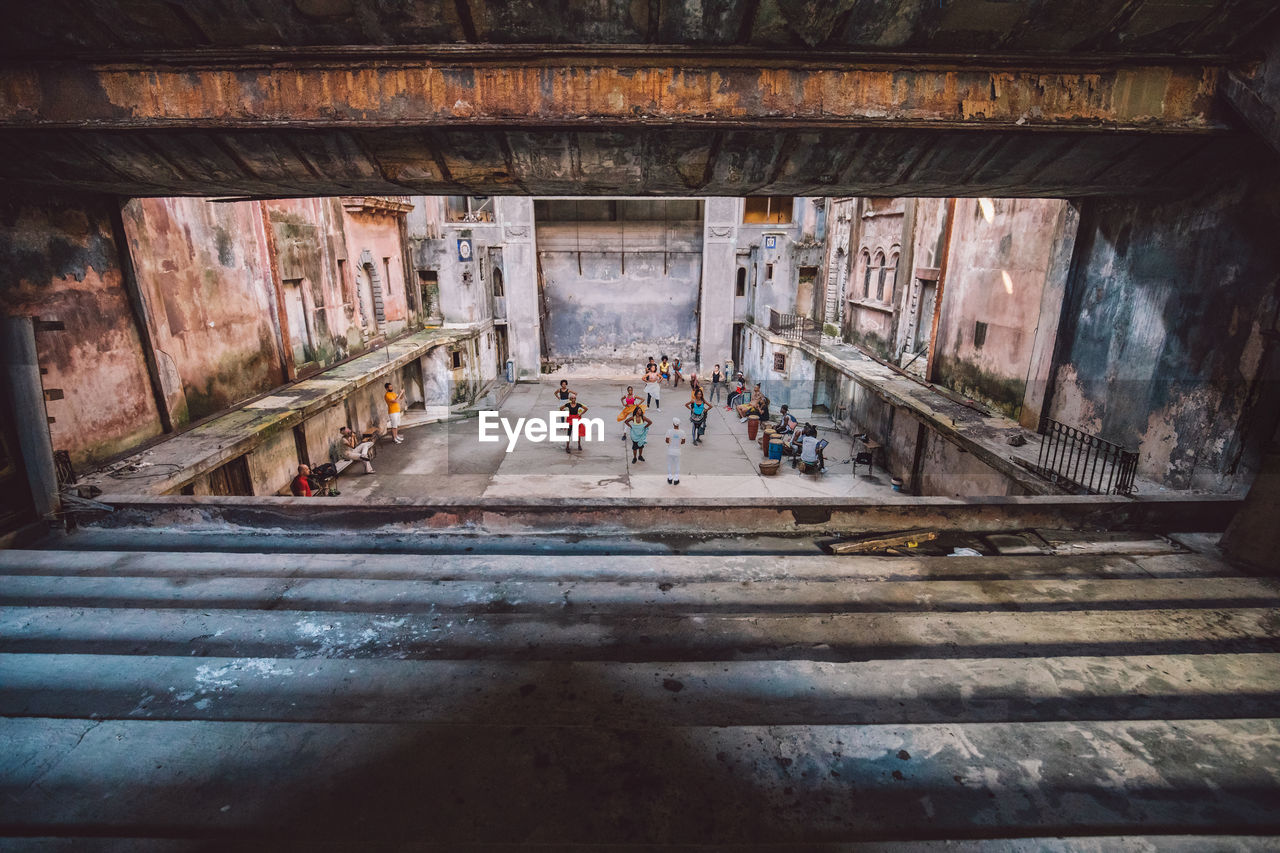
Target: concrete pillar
{"type": "Point", "coordinates": [719, 268]}
{"type": "Point", "coordinates": [1253, 536]}
{"type": "Point", "coordinates": [520, 260]}
{"type": "Point", "coordinates": [26, 403]}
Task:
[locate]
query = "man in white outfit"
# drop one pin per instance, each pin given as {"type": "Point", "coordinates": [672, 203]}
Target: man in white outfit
{"type": "Point", "coordinates": [675, 438]}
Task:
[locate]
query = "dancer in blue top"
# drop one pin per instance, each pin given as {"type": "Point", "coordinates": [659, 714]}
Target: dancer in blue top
{"type": "Point", "coordinates": [698, 415]}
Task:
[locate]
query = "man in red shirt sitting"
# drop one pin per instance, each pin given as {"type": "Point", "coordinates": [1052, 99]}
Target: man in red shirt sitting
{"type": "Point", "coordinates": [301, 484]}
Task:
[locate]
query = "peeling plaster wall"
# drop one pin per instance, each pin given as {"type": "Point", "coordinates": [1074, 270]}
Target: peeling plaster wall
{"type": "Point", "coordinates": [202, 267]}
{"type": "Point", "coordinates": [61, 263]}
{"type": "Point", "coordinates": [1163, 342]}
{"type": "Point", "coordinates": [311, 249]}
{"type": "Point", "coordinates": [996, 277]}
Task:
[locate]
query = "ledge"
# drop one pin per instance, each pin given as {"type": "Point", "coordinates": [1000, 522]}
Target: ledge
{"type": "Point", "coordinates": [425, 518]}
{"type": "Point", "coordinates": [173, 463]}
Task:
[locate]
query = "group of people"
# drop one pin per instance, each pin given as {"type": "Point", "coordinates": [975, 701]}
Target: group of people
{"type": "Point", "coordinates": [799, 442]}
{"type": "Point", "coordinates": [310, 481]}
{"type": "Point", "coordinates": [636, 424]}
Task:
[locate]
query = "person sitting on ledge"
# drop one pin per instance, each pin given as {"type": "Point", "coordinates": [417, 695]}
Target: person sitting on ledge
{"type": "Point", "coordinates": [355, 449]}
{"type": "Point", "coordinates": [300, 486]}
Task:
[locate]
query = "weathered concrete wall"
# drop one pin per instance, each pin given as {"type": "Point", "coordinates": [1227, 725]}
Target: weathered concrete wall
{"type": "Point", "coordinates": [948, 471]}
{"type": "Point", "coordinates": [274, 463]}
{"type": "Point", "coordinates": [1165, 332]}
{"type": "Point", "coordinates": [61, 262]}
{"type": "Point", "coordinates": [203, 269]}
{"type": "Point", "coordinates": [629, 292]}
{"type": "Point", "coordinates": [1001, 256]}
{"type": "Point", "coordinates": [793, 385]}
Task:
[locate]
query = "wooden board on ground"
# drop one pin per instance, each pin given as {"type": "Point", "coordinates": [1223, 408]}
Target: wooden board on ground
{"type": "Point", "coordinates": [880, 543]}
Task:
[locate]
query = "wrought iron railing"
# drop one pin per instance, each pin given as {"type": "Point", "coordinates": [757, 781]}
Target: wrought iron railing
{"type": "Point", "coordinates": [1082, 462]}
{"type": "Point", "coordinates": [794, 327]}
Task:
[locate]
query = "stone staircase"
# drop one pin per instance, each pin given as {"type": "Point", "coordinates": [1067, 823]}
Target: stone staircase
{"type": "Point", "coordinates": [213, 701]}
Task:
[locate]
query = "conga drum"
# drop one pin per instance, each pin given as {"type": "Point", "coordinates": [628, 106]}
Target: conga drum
{"type": "Point", "coordinates": [753, 427]}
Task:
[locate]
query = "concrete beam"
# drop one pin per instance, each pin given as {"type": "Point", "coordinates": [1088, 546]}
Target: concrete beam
{"type": "Point", "coordinates": [604, 517]}
{"type": "Point", "coordinates": [471, 87]}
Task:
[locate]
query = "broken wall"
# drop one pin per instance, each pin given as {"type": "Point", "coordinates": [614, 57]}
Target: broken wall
{"type": "Point", "coordinates": [62, 263]}
{"type": "Point", "coordinates": [1171, 310]}
{"type": "Point", "coordinates": [205, 276]}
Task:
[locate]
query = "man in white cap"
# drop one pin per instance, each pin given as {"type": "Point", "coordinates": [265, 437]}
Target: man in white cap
{"type": "Point", "coordinates": [675, 438]}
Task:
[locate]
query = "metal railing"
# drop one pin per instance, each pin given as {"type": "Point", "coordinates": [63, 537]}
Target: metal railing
{"type": "Point", "coordinates": [794, 327]}
{"type": "Point", "coordinates": [1076, 460]}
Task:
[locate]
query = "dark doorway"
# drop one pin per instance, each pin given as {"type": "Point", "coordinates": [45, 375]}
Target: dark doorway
{"type": "Point", "coordinates": [429, 297]}
{"type": "Point", "coordinates": [737, 346]}
{"type": "Point", "coordinates": [232, 479]}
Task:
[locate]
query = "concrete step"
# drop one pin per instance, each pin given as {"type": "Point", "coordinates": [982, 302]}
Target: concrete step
{"type": "Point", "coordinates": [633, 598]}
{"type": "Point", "coordinates": [297, 783]}
{"type": "Point", "coordinates": [739, 567]}
{"type": "Point", "coordinates": [574, 633]}
{"type": "Point", "coordinates": [641, 695]}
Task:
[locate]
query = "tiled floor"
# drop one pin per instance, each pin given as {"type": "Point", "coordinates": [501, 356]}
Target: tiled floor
{"type": "Point", "coordinates": [448, 459]}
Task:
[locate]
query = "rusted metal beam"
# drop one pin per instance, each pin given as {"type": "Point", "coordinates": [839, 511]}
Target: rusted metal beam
{"type": "Point", "coordinates": [622, 91]}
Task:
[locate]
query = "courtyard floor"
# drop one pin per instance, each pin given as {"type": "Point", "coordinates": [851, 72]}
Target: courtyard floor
{"type": "Point", "coordinates": [447, 460]}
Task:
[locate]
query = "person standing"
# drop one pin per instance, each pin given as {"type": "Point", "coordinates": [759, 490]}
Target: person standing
{"type": "Point", "coordinates": [675, 438]}
{"type": "Point", "coordinates": [676, 376]}
{"type": "Point", "coordinates": [639, 430]}
{"type": "Point", "coordinates": [651, 388]}
{"type": "Point", "coordinates": [698, 415]}
{"type": "Point", "coordinates": [562, 393]}
{"type": "Point", "coordinates": [629, 404]}
{"type": "Point", "coordinates": [716, 379]}
{"type": "Point", "coordinates": [576, 410]}
{"type": "Point", "coordinates": [393, 411]}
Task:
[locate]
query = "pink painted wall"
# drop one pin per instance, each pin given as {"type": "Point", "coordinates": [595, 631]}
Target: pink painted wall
{"type": "Point", "coordinates": [202, 267]}
{"type": "Point", "coordinates": [378, 234]}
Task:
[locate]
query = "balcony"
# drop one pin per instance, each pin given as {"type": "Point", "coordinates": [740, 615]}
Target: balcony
{"type": "Point", "coordinates": [794, 327]}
